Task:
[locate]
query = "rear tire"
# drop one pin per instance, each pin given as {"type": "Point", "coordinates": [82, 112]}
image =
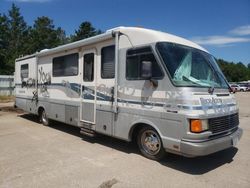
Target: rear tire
{"type": "Point", "coordinates": [43, 118]}
{"type": "Point", "coordinates": [150, 144]}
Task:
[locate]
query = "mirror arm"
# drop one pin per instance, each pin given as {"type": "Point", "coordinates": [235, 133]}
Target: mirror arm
{"type": "Point", "coordinates": [154, 82]}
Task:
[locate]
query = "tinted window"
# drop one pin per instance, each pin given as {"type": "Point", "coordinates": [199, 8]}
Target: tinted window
{"type": "Point", "coordinates": [65, 65]}
{"type": "Point", "coordinates": [25, 71]}
{"type": "Point", "coordinates": [88, 67]}
{"type": "Point", "coordinates": [135, 57]}
{"type": "Point", "coordinates": [108, 62]}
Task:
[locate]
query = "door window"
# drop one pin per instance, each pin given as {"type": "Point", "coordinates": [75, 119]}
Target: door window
{"type": "Point", "coordinates": [88, 67]}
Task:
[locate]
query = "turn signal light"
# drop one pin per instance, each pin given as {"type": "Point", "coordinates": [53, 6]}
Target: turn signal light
{"type": "Point", "coordinates": [196, 126]}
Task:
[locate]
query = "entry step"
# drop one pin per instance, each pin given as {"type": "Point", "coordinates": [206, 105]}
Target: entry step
{"type": "Point", "coordinates": [87, 132]}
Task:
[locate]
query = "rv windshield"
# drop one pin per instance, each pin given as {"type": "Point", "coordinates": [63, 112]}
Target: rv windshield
{"type": "Point", "coordinates": [191, 67]}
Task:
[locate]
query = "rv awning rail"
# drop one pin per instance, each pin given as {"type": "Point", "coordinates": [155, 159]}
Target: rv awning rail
{"type": "Point", "coordinates": [77, 44]}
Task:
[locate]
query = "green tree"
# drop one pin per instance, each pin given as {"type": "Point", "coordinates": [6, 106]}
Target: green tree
{"type": "Point", "coordinates": [234, 72]}
{"type": "Point", "coordinates": [44, 35]}
{"type": "Point", "coordinates": [3, 42]}
{"type": "Point", "coordinates": [62, 36]}
{"type": "Point", "coordinates": [16, 36]}
{"type": "Point", "coordinates": [85, 30]}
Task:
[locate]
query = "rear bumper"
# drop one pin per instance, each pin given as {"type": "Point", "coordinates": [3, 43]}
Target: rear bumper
{"type": "Point", "coordinates": [192, 149]}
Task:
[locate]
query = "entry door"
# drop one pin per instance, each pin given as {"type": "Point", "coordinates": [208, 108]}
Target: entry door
{"type": "Point", "coordinates": [88, 87]}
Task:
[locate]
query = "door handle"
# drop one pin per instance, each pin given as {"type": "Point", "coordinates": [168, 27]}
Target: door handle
{"type": "Point", "coordinates": [112, 94]}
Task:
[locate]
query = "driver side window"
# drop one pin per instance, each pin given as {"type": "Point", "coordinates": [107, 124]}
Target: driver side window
{"type": "Point", "coordinates": [135, 57]}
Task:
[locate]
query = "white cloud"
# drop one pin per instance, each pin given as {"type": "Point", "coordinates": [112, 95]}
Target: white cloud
{"type": "Point", "coordinates": [219, 40]}
{"type": "Point", "coordinates": [241, 31]}
{"type": "Point", "coordinates": [234, 36]}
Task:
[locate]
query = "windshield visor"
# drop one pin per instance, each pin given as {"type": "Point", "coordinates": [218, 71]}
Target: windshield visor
{"type": "Point", "coordinates": [188, 66]}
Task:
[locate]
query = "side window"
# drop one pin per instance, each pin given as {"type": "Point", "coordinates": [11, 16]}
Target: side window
{"type": "Point", "coordinates": [108, 62]}
{"type": "Point", "coordinates": [135, 57]}
{"type": "Point", "coordinates": [65, 65]}
{"type": "Point", "coordinates": [25, 71]}
{"type": "Point", "coordinates": [88, 67]}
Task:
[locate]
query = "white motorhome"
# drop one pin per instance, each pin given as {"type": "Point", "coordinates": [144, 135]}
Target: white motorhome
{"type": "Point", "coordinates": [164, 91]}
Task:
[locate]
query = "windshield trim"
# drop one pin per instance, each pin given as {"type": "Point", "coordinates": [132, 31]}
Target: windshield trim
{"type": "Point", "coordinates": [192, 86]}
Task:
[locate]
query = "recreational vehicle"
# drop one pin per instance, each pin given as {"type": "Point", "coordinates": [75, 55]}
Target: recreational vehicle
{"type": "Point", "coordinates": [165, 92]}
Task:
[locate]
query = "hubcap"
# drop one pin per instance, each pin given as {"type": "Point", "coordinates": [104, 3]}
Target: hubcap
{"type": "Point", "coordinates": [151, 142]}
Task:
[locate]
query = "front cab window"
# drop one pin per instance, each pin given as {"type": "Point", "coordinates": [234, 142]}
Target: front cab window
{"type": "Point", "coordinates": [188, 66]}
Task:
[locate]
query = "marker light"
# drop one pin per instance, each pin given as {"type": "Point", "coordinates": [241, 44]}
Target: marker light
{"type": "Point", "coordinates": [197, 125]}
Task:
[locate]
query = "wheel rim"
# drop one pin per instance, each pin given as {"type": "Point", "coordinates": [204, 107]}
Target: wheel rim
{"type": "Point", "coordinates": [44, 118]}
{"type": "Point", "coordinates": [150, 142]}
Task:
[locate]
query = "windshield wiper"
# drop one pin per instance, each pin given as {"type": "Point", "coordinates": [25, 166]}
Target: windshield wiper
{"type": "Point", "coordinates": [211, 90]}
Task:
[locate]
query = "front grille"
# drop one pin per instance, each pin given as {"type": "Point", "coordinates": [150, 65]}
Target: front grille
{"type": "Point", "coordinates": [222, 124]}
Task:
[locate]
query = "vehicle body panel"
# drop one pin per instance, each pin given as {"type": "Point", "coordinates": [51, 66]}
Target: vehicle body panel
{"type": "Point", "coordinates": [118, 109]}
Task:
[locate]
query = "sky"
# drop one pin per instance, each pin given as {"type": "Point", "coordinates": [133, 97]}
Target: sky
{"type": "Point", "coordinates": [220, 26]}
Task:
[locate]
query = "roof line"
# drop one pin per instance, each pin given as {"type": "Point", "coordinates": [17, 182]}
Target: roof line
{"type": "Point", "coordinates": [76, 44]}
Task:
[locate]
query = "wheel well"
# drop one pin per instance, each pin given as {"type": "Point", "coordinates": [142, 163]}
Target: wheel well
{"type": "Point", "coordinates": [135, 130]}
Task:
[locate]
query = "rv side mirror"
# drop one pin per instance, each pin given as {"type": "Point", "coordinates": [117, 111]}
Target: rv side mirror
{"type": "Point", "coordinates": [146, 70]}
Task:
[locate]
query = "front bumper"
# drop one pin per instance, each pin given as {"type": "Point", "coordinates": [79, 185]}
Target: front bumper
{"type": "Point", "coordinates": [192, 149]}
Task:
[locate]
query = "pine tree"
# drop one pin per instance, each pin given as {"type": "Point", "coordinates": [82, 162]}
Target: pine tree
{"type": "Point", "coordinates": [44, 35]}
{"type": "Point", "coordinates": [3, 42]}
{"type": "Point", "coordinates": [85, 30]}
{"type": "Point", "coordinates": [17, 36]}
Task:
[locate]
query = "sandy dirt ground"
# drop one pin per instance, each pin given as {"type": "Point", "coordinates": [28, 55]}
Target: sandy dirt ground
{"type": "Point", "coordinates": [32, 155]}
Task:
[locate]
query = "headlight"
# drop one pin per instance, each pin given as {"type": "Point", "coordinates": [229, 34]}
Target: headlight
{"type": "Point", "coordinates": [198, 125]}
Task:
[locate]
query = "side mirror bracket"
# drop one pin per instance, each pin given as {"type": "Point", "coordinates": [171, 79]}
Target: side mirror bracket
{"type": "Point", "coordinates": [154, 82]}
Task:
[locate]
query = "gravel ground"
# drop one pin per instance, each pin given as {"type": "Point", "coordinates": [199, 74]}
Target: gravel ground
{"type": "Point", "coordinates": [32, 155]}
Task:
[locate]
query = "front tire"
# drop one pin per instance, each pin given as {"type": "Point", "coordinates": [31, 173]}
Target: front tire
{"type": "Point", "coordinates": [43, 118]}
{"type": "Point", "coordinates": [150, 144]}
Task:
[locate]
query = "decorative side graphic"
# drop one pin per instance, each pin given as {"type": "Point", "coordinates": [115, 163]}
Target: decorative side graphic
{"type": "Point", "coordinates": [44, 82]}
